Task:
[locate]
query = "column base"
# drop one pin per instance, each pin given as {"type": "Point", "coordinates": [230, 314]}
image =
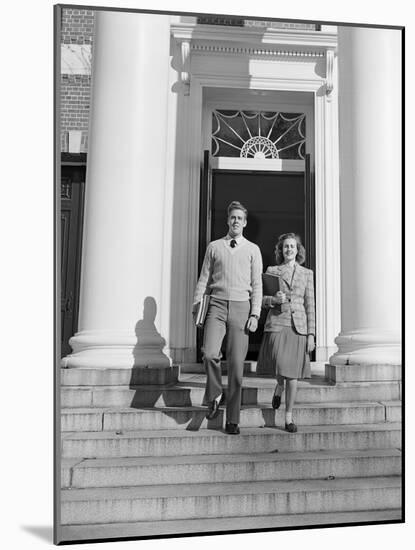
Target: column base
{"type": "Point", "coordinates": [117, 350]}
{"type": "Point", "coordinates": [367, 347]}
{"type": "Point", "coordinates": [324, 352]}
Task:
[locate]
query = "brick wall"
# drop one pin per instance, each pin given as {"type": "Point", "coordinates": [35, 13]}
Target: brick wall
{"type": "Point", "coordinates": [77, 28]}
{"type": "Point", "coordinates": [75, 100]}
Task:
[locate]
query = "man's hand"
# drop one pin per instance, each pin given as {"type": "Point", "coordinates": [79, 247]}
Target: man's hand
{"type": "Point", "coordinates": [310, 343]}
{"type": "Point", "coordinates": [252, 324]}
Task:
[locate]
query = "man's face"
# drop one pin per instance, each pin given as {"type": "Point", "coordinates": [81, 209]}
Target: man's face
{"type": "Point", "coordinates": [236, 222]}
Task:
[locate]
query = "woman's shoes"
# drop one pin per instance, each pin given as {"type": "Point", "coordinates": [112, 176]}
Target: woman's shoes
{"type": "Point", "coordinates": [292, 428]}
{"type": "Point", "coordinates": [276, 401]}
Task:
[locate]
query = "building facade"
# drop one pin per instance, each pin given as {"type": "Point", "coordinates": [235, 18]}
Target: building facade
{"type": "Point", "coordinates": [263, 103]}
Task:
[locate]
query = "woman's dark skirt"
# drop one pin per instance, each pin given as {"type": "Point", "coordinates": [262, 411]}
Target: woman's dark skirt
{"type": "Point", "coordinates": [284, 353]}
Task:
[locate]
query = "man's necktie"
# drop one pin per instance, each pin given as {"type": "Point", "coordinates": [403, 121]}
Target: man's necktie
{"type": "Point", "coordinates": [233, 243]}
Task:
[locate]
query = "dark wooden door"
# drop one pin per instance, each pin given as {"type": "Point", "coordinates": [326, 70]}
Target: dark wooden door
{"type": "Point", "coordinates": [276, 205]}
{"type": "Point", "coordinates": [72, 202]}
{"type": "Point", "coordinates": [278, 202]}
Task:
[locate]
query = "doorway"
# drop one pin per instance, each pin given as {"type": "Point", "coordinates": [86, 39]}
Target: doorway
{"type": "Point", "coordinates": [276, 203]}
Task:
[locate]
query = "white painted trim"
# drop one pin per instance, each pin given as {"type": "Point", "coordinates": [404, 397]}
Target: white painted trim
{"type": "Point", "coordinates": [195, 157]}
{"type": "Point", "coordinates": [259, 83]}
{"type": "Point", "coordinates": [271, 165]}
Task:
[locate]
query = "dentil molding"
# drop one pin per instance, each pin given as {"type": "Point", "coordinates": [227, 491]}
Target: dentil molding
{"type": "Point", "coordinates": [244, 50]}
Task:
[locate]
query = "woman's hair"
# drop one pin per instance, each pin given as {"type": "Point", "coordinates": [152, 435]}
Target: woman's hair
{"type": "Point", "coordinates": [300, 258]}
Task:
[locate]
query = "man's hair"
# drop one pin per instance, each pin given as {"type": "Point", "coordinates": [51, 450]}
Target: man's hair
{"type": "Point", "coordinates": [236, 205]}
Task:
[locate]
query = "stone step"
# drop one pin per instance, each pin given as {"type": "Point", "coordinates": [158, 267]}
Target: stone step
{"type": "Point", "coordinates": [250, 367]}
{"type": "Point", "coordinates": [198, 368]}
{"type": "Point", "coordinates": [201, 525]}
{"type": "Point", "coordinates": [84, 376]}
{"type": "Point", "coordinates": [191, 392]}
{"type": "Point", "coordinates": [154, 443]}
{"type": "Point", "coordinates": [212, 500]}
{"type": "Point", "coordinates": [130, 472]}
{"type": "Point", "coordinates": [193, 418]}
{"type": "Point", "coordinates": [363, 373]}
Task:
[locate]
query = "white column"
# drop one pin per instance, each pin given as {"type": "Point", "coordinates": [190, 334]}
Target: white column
{"type": "Point", "coordinates": [124, 231]}
{"type": "Point", "coordinates": [370, 196]}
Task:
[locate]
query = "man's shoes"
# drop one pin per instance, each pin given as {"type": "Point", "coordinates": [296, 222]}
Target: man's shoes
{"type": "Point", "coordinates": [214, 405]}
{"type": "Point", "coordinates": [292, 428]}
{"type": "Point", "coordinates": [232, 429]}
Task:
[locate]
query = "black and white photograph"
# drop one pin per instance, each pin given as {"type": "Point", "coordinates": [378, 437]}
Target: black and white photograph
{"type": "Point", "coordinates": [230, 312]}
{"type": "Point", "coordinates": [222, 334]}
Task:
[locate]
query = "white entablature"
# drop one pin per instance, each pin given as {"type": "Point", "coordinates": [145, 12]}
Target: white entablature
{"type": "Point", "coordinates": [229, 48]}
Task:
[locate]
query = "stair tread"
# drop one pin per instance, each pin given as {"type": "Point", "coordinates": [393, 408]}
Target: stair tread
{"type": "Point", "coordinates": [196, 380]}
{"type": "Point", "coordinates": [215, 433]}
{"type": "Point", "coordinates": [147, 528]}
{"type": "Point", "coordinates": [180, 433]}
{"type": "Point", "coordinates": [263, 405]}
{"type": "Point", "coordinates": [226, 458]}
{"type": "Point", "coordinates": [233, 488]}
{"type": "Point", "coordinates": [196, 385]}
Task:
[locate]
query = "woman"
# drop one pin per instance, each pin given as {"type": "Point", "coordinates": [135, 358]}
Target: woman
{"type": "Point", "coordinates": [290, 324]}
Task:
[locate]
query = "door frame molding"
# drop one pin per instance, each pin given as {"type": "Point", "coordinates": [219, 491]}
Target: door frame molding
{"type": "Point", "coordinates": [327, 217]}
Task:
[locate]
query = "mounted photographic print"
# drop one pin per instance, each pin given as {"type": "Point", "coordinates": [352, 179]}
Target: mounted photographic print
{"type": "Point", "coordinates": [194, 154]}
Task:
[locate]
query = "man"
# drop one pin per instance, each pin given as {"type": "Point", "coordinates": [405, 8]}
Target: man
{"type": "Point", "coordinates": [231, 274]}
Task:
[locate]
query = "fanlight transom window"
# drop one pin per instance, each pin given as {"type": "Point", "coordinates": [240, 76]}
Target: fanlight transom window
{"type": "Point", "coordinates": [258, 134]}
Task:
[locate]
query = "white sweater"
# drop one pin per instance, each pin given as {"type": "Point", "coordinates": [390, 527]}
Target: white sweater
{"type": "Point", "coordinates": [232, 273]}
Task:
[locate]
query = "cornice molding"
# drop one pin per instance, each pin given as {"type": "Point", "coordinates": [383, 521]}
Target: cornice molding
{"type": "Point", "coordinates": [253, 36]}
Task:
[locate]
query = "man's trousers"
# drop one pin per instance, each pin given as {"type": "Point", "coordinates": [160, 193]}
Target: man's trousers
{"type": "Point", "coordinates": [230, 318]}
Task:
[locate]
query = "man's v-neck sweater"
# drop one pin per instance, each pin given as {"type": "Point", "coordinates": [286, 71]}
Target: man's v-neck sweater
{"type": "Point", "coordinates": [232, 273]}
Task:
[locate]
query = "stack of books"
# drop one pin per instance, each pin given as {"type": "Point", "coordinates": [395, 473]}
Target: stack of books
{"type": "Point", "coordinates": [202, 311]}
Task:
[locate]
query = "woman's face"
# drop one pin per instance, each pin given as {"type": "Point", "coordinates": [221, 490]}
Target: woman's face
{"type": "Point", "coordinates": [289, 249]}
